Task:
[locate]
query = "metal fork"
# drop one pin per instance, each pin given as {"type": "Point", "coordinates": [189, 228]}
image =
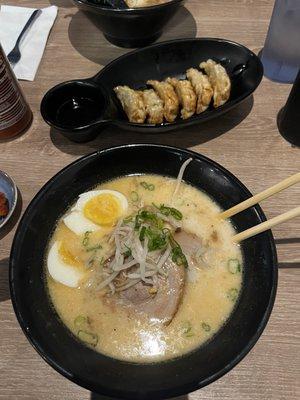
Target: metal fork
{"type": "Point", "coordinates": [15, 55]}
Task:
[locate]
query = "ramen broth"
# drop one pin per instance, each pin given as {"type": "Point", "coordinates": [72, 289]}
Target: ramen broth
{"type": "Point", "coordinates": [211, 288]}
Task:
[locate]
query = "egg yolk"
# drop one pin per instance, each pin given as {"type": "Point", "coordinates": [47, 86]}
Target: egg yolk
{"type": "Point", "coordinates": [103, 209]}
{"type": "Point", "coordinates": [67, 257]}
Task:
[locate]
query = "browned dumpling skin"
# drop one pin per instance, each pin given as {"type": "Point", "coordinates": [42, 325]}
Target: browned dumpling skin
{"type": "Point", "coordinates": [144, 3]}
{"type": "Point", "coordinates": [202, 88]}
{"type": "Point", "coordinates": [132, 103]}
{"type": "Point", "coordinates": [167, 94]}
{"type": "Point", "coordinates": [219, 81]}
{"type": "Point", "coordinates": [154, 107]}
{"type": "Point", "coordinates": [186, 95]}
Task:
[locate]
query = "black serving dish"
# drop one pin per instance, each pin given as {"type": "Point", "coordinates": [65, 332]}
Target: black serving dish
{"type": "Point", "coordinates": [131, 27]}
{"type": "Point", "coordinates": [105, 375]}
{"type": "Point", "coordinates": [158, 61]}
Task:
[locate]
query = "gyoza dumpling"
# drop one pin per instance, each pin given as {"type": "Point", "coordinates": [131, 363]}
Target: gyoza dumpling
{"type": "Point", "coordinates": [167, 94]}
{"type": "Point", "coordinates": [186, 96]}
{"type": "Point", "coordinates": [132, 103]}
{"type": "Point", "coordinates": [219, 81]}
{"type": "Point", "coordinates": [202, 88]}
{"type": "Point", "coordinates": [154, 107]}
{"type": "Point", "coordinates": [144, 3]}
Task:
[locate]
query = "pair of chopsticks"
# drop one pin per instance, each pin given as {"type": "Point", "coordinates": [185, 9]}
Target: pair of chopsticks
{"type": "Point", "coordinates": [264, 226]}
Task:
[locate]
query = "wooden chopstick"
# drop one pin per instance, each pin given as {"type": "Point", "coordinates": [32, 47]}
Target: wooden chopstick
{"type": "Point", "coordinates": [292, 180]}
{"type": "Point", "coordinates": [264, 226]}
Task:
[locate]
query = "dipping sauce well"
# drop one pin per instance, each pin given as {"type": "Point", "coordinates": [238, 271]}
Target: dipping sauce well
{"type": "Point", "coordinates": [74, 105]}
{"type": "Point", "coordinates": [77, 111]}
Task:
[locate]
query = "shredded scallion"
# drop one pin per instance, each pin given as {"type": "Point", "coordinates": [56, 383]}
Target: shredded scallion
{"type": "Point", "coordinates": [94, 248]}
{"type": "Point", "coordinates": [80, 321]}
{"type": "Point", "coordinates": [148, 186]}
{"type": "Point", "coordinates": [206, 327]}
{"type": "Point", "coordinates": [88, 337]}
{"type": "Point", "coordinates": [232, 294]}
{"type": "Point", "coordinates": [86, 238]}
{"type": "Point", "coordinates": [234, 266]}
{"type": "Point", "coordinates": [134, 196]}
{"type": "Point", "coordinates": [169, 211]}
{"type": "Point", "coordinates": [187, 329]}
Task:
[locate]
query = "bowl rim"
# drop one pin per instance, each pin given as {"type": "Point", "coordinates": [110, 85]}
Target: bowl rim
{"type": "Point", "coordinates": [176, 390]}
{"type": "Point", "coordinates": [136, 10]}
{"type": "Point", "coordinates": [15, 198]}
{"type": "Point", "coordinates": [96, 79]}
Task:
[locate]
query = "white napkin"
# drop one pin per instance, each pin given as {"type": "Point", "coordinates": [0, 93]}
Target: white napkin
{"type": "Point", "coordinates": [12, 21]}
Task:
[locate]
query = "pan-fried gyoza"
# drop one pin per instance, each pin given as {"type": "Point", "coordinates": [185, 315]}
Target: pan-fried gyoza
{"type": "Point", "coordinates": [132, 103]}
{"type": "Point", "coordinates": [219, 81]}
{"type": "Point", "coordinates": [202, 88]}
{"type": "Point", "coordinates": [177, 96]}
{"type": "Point", "coordinates": [186, 96]}
{"type": "Point", "coordinates": [168, 96]}
{"type": "Point", "coordinates": [154, 107]}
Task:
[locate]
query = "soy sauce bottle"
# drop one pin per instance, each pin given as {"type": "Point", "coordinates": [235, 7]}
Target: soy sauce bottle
{"type": "Point", "coordinates": [15, 114]}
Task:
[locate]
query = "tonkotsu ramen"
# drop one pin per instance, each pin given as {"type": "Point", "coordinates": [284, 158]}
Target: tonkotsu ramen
{"type": "Point", "coordinates": [141, 268]}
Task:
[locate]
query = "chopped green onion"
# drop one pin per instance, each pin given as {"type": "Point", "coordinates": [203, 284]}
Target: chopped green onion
{"type": "Point", "coordinates": [97, 247]}
{"type": "Point", "coordinates": [178, 257]}
{"type": "Point", "coordinates": [157, 240]}
{"type": "Point", "coordinates": [177, 254]}
{"type": "Point", "coordinates": [189, 334]}
{"type": "Point", "coordinates": [88, 337]}
{"type": "Point", "coordinates": [134, 196]}
{"type": "Point", "coordinates": [127, 252]}
{"type": "Point", "coordinates": [142, 233]}
{"type": "Point", "coordinates": [169, 211]}
{"type": "Point", "coordinates": [234, 266]}
{"type": "Point", "coordinates": [101, 261]}
{"type": "Point", "coordinates": [128, 219]}
{"type": "Point", "coordinates": [91, 262]}
{"type": "Point", "coordinates": [206, 327]}
{"type": "Point", "coordinates": [149, 217]}
{"type": "Point", "coordinates": [80, 321]}
{"type": "Point", "coordinates": [176, 214]}
{"type": "Point", "coordinates": [187, 329]}
{"type": "Point", "coordinates": [86, 239]}
{"type": "Point", "coordinates": [147, 186]}
{"type": "Point", "coordinates": [232, 294]}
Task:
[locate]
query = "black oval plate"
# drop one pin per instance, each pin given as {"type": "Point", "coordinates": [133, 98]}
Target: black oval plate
{"type": "Point", "coordinates": [160, 61]}
{"type": "Point", "coordinates": [103, 374]}
{"type": "Point", "coordinates": [173, 58]}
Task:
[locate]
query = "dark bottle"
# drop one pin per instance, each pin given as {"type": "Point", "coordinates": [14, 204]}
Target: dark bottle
{"type": "Point", "coordinates": [15, 114]}
{"type": "Point", "coordinates": [289, 116]}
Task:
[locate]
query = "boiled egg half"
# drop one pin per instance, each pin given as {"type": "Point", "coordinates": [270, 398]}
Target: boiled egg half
{"type": "Point", "coordinates": [96, 209]}
{"type": "Point", "coordinates": [63, 267]}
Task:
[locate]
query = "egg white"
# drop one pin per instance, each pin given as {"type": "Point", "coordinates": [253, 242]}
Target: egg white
{"type": "Point", "coordinates": [61, 272]}
{"type": "Point", "coordinates": [78, 223]}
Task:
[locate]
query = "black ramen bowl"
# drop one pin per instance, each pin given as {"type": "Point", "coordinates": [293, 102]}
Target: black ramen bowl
{"type": "Point", "coordinates": [130, 27]}
{"type": "Point", "coordinates": [80, 109]}
{"type": "Point", "coordinates": [100, 373]}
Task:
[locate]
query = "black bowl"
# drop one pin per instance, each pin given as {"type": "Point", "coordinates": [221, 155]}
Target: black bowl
{"type": "Point", "coordinates": [132, 27]}
{"type": "Point", "coordinates": [105, 375]}
{"type": "Point", "coordinates": [158, 61]}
